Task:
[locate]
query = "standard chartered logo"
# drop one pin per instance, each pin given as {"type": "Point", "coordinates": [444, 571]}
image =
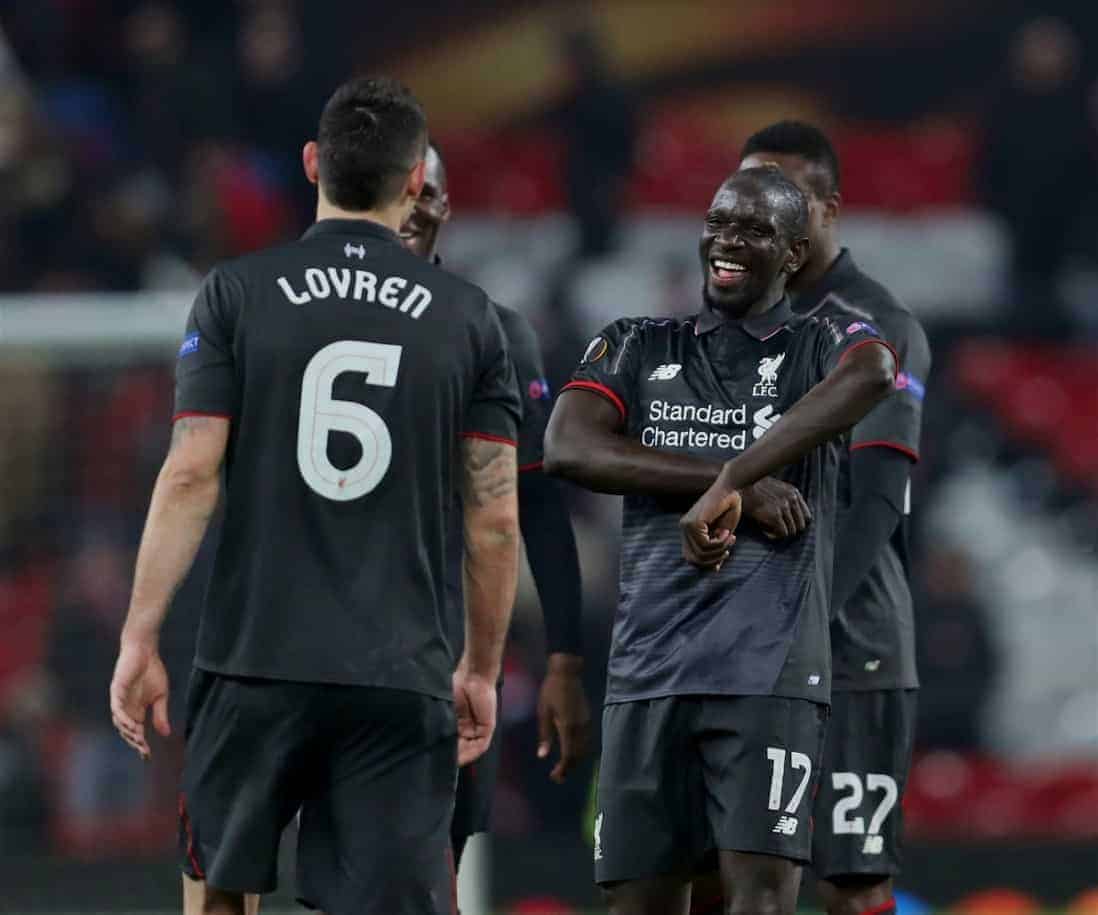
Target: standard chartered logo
{"type": "Point", "coordinates": [726, 426]}
{"type": "Point", "coordinates": [764, 419]}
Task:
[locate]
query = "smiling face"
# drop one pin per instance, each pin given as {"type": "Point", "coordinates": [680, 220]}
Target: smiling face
{"type": "Point", "coordinates": [748, 247]}
{"type": "Point", "coordinates": [420, 230]}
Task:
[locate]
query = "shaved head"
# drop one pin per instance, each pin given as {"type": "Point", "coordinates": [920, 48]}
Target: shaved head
{"type": "Point", "coordinates": [786, 198]}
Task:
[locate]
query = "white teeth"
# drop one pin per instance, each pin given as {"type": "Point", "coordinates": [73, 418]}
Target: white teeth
{"type": "Point", "coordinates": [728, 265]}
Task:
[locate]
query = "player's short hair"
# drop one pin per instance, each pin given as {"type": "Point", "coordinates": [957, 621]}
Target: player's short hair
{"type": "Point", "coordinates": [796, 138]}
{"type": "Point", "coordinates": [794, 215]}
{"type": "Point", "coordinates": [372, 132]}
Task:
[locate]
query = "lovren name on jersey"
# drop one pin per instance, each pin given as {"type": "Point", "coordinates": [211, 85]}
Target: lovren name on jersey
{"type": "Point", "coordinates": [359, 285]}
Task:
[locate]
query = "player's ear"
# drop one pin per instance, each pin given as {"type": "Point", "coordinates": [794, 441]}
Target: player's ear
{"type": "Point", "coordinates": [310, 161]}
{"type": "Point", "coordinates": [798, 254]}
{"type": "Point", "coordinates": [833, 203]}
{"type": "Point", "coordinates": [416, 177]}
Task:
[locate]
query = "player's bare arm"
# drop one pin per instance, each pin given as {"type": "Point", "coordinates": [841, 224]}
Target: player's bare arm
{"type": "Point", "coordinates": [490, 508]}
{"type": "Point", "coordinates": [863, 379]}
{"type": "Point", "coordinates": [586, 443]}
{"type": "Point", "coordinates": [183, 501]}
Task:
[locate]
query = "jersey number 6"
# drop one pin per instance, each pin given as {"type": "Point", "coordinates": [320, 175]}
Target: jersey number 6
{"type": "Point", "coordinates": [321, 414]}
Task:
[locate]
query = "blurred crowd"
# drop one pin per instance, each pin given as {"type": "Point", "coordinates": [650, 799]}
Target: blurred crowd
{"type": "Point", "coordinates": [141, 142]}
{"type": "Point", "coordinates": [155, 139]}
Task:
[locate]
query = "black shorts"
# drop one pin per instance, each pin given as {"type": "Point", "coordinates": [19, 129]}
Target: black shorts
{"type": "Point", "coordinates": [867, 756]}
{"type": "Point", "coordinates": [372, 771]}
{"type": "Point", "coordinates": [475, 788]}
{"type": "Point", "coordinates": [684, 775]}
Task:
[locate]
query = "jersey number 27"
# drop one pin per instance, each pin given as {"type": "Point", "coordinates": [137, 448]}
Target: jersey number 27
{"type": "Point", "coordinates": [321, 413]}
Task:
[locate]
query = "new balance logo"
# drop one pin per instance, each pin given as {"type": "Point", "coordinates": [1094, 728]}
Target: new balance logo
{"type": "Point", "coordinates": [665, 372]}
{"type": "Point", "coordinates": [874, 845]}
{"type": "Point", "coordinates": [358, 251]}
{"type": "Point", "coordinates": [786, 826]}
{"type": "Point", "coordinates": [764, 419]}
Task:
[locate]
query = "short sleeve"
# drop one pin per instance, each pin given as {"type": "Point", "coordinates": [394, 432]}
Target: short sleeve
{"type": "Point", "coordinates": [494, 409]}
{"type": "Point", "coordinates": [839, 338]}
{"type": "Point", "coordinates": [206, 380]}
{"type": "Point", "coordinates": [610, 364]}
{"type": "Point", "coordinates": [533, 388]}
{"type": "Point", "coordinates": [897, 421]}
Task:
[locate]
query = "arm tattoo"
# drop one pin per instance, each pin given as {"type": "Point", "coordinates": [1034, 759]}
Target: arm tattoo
{"type": "Point", "coordinates": [489, 471]}
{"type": "Point", "coordinates": [187, 425]}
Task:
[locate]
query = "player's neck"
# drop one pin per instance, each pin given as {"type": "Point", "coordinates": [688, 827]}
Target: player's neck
{"type": "Point", "coordinates": [392, 216]}
{"type": "Point", "coordinates": [817, 266]}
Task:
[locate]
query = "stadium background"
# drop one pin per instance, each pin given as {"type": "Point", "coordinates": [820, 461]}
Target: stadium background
{"type": "Point", "coordinates": [142, 141]}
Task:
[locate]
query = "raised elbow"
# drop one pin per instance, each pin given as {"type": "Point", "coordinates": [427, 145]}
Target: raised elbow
{"type": "Point", "coordinates": [186, 477]}
{"type": "Point", "coordinates": [878, 374]}
{"type": "Point", "coordinates": [494, 528]}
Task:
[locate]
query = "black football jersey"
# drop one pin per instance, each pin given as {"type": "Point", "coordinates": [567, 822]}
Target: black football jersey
{"type": "Point", "coordinates": [709, 388]}
{"type": "Point", "coordinates": [349, 368]}
{"type": "Point", "coordinates": [873, 636]}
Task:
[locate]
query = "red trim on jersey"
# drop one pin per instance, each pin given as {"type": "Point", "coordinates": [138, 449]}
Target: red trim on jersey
{"type": "Point", "coordinates": [185, 822]}
{"type": "Point", "coordinates": [526, 468]}
{"type": "Point", "coordinates": [889, 906]}
{"type": "Point", "coordinates": [187, 413]}
{"type": "Point", "coordinates": [884, 343]}
{"type": "Point", "coordinates": [895, 446]}
{"type": "Point", "coordinates": [601, 389]}
{"type": "Point", "coordinates": [487, 437]}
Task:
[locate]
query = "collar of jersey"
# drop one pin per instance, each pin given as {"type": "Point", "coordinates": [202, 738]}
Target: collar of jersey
{"type": "Point", "coordinates": [356, 228]}
{"type": "Point", "coordinates": [760, 326]}
{"type": "Point", "coordinates": [838, 275]}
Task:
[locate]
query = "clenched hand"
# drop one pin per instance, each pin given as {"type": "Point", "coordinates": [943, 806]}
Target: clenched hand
{"type": "Point", "coordinates": [708, 529]}
{"type": "Point", "coordinates": [777, 508]}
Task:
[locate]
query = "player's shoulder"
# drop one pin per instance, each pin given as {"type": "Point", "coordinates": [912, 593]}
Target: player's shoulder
{"type": "Point", "coordinates": [896, 322]}
{"type": "Point", "coordinates": [820, 322]}
{"type": "Point", "coordinates": [644, 326]}
{"type": "Point", "coordinates": [516, 326]}
{"type": "Point", "coordinates": [863, 300]}
{"type": "Point", "coordinates": [259, 264]}
{"type": "Point", "coordinates": [868, 298]}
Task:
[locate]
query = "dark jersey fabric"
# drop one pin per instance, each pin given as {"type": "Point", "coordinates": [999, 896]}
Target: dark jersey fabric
{"type": "Point", "coordinates": [349, 368]}
{"type": "Point", "coordinates": [873, 636]}
{"type": "Point", "coordinates": [710, 389]}
{"type": "Point", "coordinates": [533, 389]}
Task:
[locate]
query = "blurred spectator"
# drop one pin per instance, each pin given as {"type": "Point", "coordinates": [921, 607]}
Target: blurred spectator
{"type": "Point", "coordinates": [114, 239]}
{"type": "Point", "coordinates": [231, 204]}
{"type": "Point", "coordinates": [1039, 170]}
{"type": "Point", "coordinates": [957, 662]}
{"type": "Point", "coordinates": [278, 102]}
{"type": "Point", "coordinates": [25, 697]}
{"type": "Point", "coordinates": [599, 124]}
{"type": "Point", "coordinates": [37, 185]}
{"type": "Point", "coordinates": [101, 776]}
{"type": "Point", "coordinates": [175, 99]}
